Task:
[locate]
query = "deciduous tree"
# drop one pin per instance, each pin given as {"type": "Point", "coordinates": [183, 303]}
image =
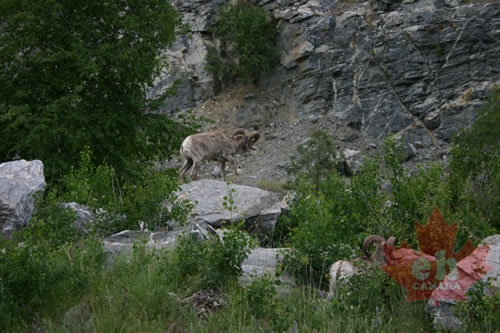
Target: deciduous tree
{"type": "Point", "coordinates": [75, 74]}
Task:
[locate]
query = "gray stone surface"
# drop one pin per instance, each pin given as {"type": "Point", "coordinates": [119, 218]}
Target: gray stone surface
{"type": "Point", "coordinates": [123, 242]}
{"type": "Point", "coordinates": [259, 209]}
{"type": "Point", "coordinates": [265, 263]}
{"type": "Point", "coordinates": [85, 217]}
{"type": "Point", "coordinates": [493, 260]}
{"type": "Point", "coordinates": [443, 317]}
{"type": "Point", "coordinates": [19, 182]}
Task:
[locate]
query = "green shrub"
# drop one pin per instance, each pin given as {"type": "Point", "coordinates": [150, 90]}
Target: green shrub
{"type": "Point", "coordinates": [207, 264]}
{"type": "Point", "coordinates": [259, 296]}
{"type": "Point", "coordinates": [87, 184]}
{"type": "Point", "coordinates": [330, 216]}
{"type": "Point", "coordinates": [474, 168]}
{"type": "Point", "coordinates": [248, 37]}
{"type": "Point", "coordinates": [126, 201]}
{"type": "Point", "coordinates": [315, 160]}
{"type": "Point", "coordinates": [132, 295]}
{"type": "Point", "coordinates": [366, 293]}
{"type": "Point", "coordinates": [414, 193]}
{"type": "Point", "coordinates": [41, 276]}
{"type": "Point", "coordinates": [319, 231]}
{"type": "Point", "coordinates": [480, 312]}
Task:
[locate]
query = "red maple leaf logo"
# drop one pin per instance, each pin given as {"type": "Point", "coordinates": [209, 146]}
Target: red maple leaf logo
{"type": "Point", "coordinates": [435, 271]}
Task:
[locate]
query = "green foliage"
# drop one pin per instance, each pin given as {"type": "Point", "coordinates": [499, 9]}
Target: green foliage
{"type": "Point", "coordinates": [259, 301]}
{"type": "Point", "coordinates": [260, 294]}
{"type": "Point", "coordinates": [367, 292]}
{"type": "Point", "coordinates": [131, 295]}
{"type": "Point", "coordinates": [474, 166]}
{"type": "Point", "coordinates": [49, 267]}
{"type": "Point", "coordinates": [328, 219]}
{"type": "Point", "coordinates": [212, 263]}
{"type": "Point", "coordinates": [315, 160]}
{"type": "Point", "coordinates": [90, 185]}
{"type": "Point", "coordinates": [480, 312]}
{"type": "Point", "coordinates": [75, 74]}
{"type": "Point", "coordinates": [317, 232]}
{"type": "Point", "coordinates": [228, 202]}
{"type": "Point", "coordinates": [48, 270]}
{"type": "Point", "coordinates": [413, 193]}
{"type": "Point", "coordinates": [121, 203]}
{"type": "Point", "coordinates": [248, 37]}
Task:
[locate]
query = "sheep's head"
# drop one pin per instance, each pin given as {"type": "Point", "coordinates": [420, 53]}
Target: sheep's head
{"type": "Point", "coordinates": [245, 139]}
{"type": "Point", "coordinates": [378, 255]}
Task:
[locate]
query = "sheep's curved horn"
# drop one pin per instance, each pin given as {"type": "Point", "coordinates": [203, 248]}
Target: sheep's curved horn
{"type": "Point", "coordinates": [369, 240]}
{"type": "Point", "coordinates": [239, 131]}
{"type": "Point", "coordinates": [391, 241]}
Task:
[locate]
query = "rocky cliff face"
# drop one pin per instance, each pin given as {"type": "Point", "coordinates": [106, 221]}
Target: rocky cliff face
{"type": "Point", "coordinates": [415, 69]}
{"type": "Point", "coordinates": [418, 70]}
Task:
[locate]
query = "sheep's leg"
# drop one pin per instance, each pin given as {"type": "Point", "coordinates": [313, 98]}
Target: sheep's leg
{"type": "Point", "coordinates": [235, 166]}
{"type": "Point", "coordinates": [188, 163]}
{"type": "Point", "coordinates": [194, 171]}
{"type": "Point", "coordinates": [223, 169]}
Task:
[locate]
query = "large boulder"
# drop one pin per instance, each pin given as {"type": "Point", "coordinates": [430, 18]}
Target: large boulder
{"type": "Point", "coordinates": [122, 243]}
{"type": "Point", "coordinates": [19, 182]}
{"type": "Point", "coordinates": [493, 260]}
{"type": "Point", "coordinates": [216, 203]}
{"type": "Point", "coordinates": [443, 317]}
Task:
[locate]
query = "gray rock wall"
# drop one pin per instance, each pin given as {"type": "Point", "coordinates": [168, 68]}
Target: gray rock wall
{"type": "Point", "coordinates": [418, 69]}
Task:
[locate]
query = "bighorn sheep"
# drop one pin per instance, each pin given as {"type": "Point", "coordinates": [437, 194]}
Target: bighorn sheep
{"type": "Point", "coordinates": [214, 146]}
{"type": "Point", "coordinates": [343, 269]}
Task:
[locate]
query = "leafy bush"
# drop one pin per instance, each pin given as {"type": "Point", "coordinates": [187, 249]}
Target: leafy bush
{"type": "Point", "coordinates": [369, 292]}
{"type": "Point", "coordinates": [316, 235]}
{"type": "Point", "coordinates": [248, 37]}
{"type": "Point", "coordinates": [413, 194]}
{"type": "Point", "coordinates": [480, 312]}
{"type": "Point", "coordinates": [132, 295]}
{"type": "Point", "coordinates": [126, 201]}
{"type": "Point", "coordinates": [315, 160]}
{"type": "Point", "coordinates": [474, 167]}
{"type": "Point", "coordinates": [330, 217]}
{"type": "Point", "coordinates": [44, 273]}
{"type": "Point", "coordinates": [259, 300]}
{"type": "Point", "coordinates": [207, 264]}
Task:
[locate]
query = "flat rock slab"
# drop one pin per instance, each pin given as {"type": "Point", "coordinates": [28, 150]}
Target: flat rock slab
{"type": "Point", "coordinates": [216, 202]}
